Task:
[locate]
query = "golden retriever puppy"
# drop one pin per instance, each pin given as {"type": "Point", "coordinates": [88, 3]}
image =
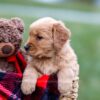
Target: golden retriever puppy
{"type": "Point", "coordinates": [49, 51]}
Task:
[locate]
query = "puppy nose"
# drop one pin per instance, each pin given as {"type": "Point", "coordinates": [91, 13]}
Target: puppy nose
{"type": "Point", "coordinates": [27, 47]}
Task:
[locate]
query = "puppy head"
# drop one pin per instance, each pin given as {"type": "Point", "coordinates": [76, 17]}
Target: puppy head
{"type": "Point", "coordinates": [46, 37]}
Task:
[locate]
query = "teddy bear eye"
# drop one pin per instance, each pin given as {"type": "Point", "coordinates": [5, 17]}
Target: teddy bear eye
{"type": "Point", "coordinates": [39, 37]}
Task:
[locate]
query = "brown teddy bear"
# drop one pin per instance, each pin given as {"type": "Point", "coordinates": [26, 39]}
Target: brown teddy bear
{"type": "Point", "coordinates": [12, 61]}
{"type": "Point", "coordinates": [10, 41]}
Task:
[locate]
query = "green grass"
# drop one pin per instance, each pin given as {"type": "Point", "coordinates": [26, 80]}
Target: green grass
{"type": "Point", "coordinates": [86, 42]}
{"type": "Point", "coordinates": [82, 6]}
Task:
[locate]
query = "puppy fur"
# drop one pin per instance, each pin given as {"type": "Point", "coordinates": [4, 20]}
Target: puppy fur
{"type": "Point", "coordinates": [50, 52]}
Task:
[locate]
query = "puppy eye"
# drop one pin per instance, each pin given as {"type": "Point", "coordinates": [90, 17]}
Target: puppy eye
{"type": "Point", "coordinates": [39, 37]}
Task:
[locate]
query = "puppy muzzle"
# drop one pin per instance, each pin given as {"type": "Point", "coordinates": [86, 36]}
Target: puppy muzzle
{"type": "Point", "coordinates": [6, 49]}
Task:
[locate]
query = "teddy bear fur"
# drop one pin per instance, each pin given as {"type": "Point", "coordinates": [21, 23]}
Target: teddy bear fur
{"type": "Point", "coordinates": [10, 32]}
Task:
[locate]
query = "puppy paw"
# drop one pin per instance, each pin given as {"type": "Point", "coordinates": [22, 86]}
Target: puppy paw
{"type": "Point", "coordinates": [64, 98]}
{"type": "Point", "coordinates": [27, 88]}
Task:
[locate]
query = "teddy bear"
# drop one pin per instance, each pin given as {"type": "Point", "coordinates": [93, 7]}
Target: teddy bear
{"type": "Point", "coordinates": [10, 41]}
{"type": "Point", "coordinates": [12, 62]}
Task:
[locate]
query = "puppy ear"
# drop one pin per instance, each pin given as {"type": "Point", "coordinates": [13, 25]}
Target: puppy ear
{"type": "Point", "coordinates": [60, 35]}
{"type": "Point", "coordinates": [19, 24]}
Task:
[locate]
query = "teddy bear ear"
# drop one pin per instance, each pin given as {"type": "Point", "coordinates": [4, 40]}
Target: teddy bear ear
{"type": "Point", "coordinates": [18, 23]}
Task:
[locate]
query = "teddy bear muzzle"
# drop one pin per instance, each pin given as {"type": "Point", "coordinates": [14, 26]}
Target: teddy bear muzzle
{"type": "Point", "coordinates": [6, 49]}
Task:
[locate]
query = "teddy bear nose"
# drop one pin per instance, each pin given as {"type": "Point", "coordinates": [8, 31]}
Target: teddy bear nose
{"type": "Point", "coordinates": [27, 47]}
{"type": "Point", "coordinates": [6, 49]}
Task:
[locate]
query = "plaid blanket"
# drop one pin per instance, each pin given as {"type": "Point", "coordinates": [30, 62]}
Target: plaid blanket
{"type": "Point", "coordinates": [46, 88]}
{"type": "Point", "coordinates": [10, 81]}
{"type": "Point", "coordinates": [10, 86]}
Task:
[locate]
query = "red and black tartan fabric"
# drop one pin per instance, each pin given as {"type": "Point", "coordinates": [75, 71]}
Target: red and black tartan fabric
{"type": "Point", "coordinates": [10, 81]}
{"type": "Point", "coordinates": [10, 86]}
{"type": "Point", "coordinates": [46, 88]}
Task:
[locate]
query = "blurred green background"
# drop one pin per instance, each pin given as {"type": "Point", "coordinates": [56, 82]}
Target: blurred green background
{"type": "Point", "coordinates": [83, 19]}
